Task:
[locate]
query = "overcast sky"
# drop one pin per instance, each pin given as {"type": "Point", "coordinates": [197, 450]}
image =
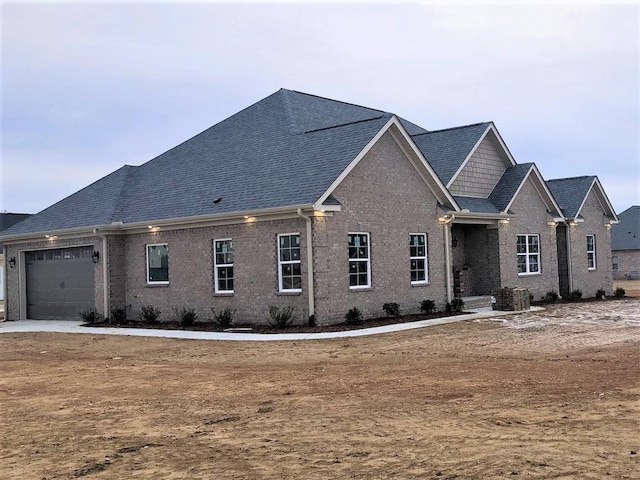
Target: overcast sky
{"type": "Point", "coordinates": [89, 88]}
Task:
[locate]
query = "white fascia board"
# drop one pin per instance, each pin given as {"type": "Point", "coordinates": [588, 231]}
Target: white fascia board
{"type": "Point", "coordinates": [524, 179]}
{"type": "Point", "coordinates": [547, 192]}
{"type": "Point", "coordinates": [466, 160]}
{"type": "Point", "coordinates": [604, 196]}
{"type": "Point", "coordinates": [169, 223]}
{"type": "Point", "coordinates": [539, 184]}
{"type": "Point", "coordinates": [392, 121]}
{"type": "Point", "coordinates": [502, 144]}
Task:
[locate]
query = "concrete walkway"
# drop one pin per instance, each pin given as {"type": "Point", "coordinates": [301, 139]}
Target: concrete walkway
{"type": "Point", "coordinates": [74, 326]}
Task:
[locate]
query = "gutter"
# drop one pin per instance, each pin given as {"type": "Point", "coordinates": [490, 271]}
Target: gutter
{"type": "Point", "coordinates": [105, 271]}
{"type": "Point", "coordinates": [311, 295]}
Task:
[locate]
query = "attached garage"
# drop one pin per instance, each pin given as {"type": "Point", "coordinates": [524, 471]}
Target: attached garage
{"type": "Point", "coordinates": [60, 283]}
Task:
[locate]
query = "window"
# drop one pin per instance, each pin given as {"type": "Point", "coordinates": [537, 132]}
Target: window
{"type": "Point", "coordinates": [158, 264]}
{"type": "Point", "coordinates": [359, 261]}
{"type": "Point", "coordinates": [289, 270]}
{"type": "Point", "coordinates": [223, 265]}
{"type": "Point", "coordinates": [614, 261]}
{"type": "Point", "coordinates": [418, 258]}
{"type": "Point", "coordinates": [528, 248]}
{"type": "Point", "coordinates": [591, 252]}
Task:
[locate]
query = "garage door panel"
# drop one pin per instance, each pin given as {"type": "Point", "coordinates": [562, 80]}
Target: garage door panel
{"type": "Point", "coordinates": [60, 283]}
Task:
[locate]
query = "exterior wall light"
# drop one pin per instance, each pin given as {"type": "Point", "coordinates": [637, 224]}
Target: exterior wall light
{"type": "Point", "coordinates": [95, 256]}
{"type": "Point", "coordinates": [12, 263]}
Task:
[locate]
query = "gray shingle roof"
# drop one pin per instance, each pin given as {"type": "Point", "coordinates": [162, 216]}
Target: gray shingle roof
{"type": "Point", "coordinates": [476, 205]}
{"type": "Point", "coordinates": [508, 184]}
{"type": "Point", "coordinates": [446, 150]}
{"type": "Point", "coordinates": [258, 158]}
{"type": "Point", "coordinates": [626, 234]}
{"type": "Point", "coordinates": [570, 193]}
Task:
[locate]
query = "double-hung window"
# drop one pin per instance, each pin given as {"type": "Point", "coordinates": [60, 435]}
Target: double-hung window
{"type": "Point", "coordinates": [591, 252]}
{"type": "Point", "coordinates": [359, 260]}
{"type": "Point", "coordinates": [528, 248]}
{"type": "Point", "coordinates": [289, 269]}
{"type": "Point", "coordinates": [158, 264]}
{"type": "Point", "coordinates": [614, 261]}
{"type": "Point", "coordinates": [223, 265]}
{"type": "Point", "coordinates": [418, 258]}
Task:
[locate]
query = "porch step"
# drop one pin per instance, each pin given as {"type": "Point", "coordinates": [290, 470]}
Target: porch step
{"type": "Point", "coordinates": [475, 303]}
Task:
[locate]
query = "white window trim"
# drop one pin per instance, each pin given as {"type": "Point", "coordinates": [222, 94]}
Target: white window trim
{"type": "Point", "coordinates": [595, 263]}
{"type": "Point", "coordinates": [426, 263]}
{"type": "Point", "coordinates": [216, 265]}
{"type": "Point", "coordinates": [152, 282]}
{"type": "Point", "coordinates": [368, 260]}
{"type": "Point", "coordinates": [288, 262]}
{"type": "Point", "coordinates": [615, 263]}
{"type": "Point", "coordinates": [527, 255]}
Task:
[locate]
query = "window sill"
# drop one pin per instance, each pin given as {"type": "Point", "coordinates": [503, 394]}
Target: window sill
{"type": "Point", "coordinates": [156, 285]}
{"type": "Point", "coordinates": [291, 293]}
{"type": "Point", "coordinates": [420, 284]}
{"type": "Point", "coordinates": [529, 274]}
{"type": "Point", "coordinates": [591, 269]}
{"type": "Point", "coordinates": [223, 294]}
{"type": "Point", "coordinates": [360, 289]}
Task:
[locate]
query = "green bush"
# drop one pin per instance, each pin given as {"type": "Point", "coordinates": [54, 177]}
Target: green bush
{"type": "Point", "coordinates": [119, 315]}
{"type": "Point", "coordinates": [224, 319]}
{"type": "Point", "coordinates": [91, 316]}
{"type": "Point", "coordinates": [619, 293]}
{"type": "Point", "coordinates": [186, 316]}
{"type": "Point", "coordinates": [601, 294]}
{"type": "Point", "coordinates": [427, 306]}
{"type": "Point", "coordinates": [281, 317]}
{"type": "Point", "coordinates": [575, 295]}
{"type": "Point", "coordinates": [391, 309]}
{"type": "Point", "coordinates": [149, 314]}
{"type": "Point", "coordinates": [551, 296]}
{"type": "Point", "coordinates": [457, 304]}
{"type": "Point", "coordinates": [353, 317]}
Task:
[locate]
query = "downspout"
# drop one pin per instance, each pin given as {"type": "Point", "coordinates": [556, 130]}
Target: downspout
{"type": "Point", "coordinates": [5, 285]}
{"type": "Point", "coordinates": [105, 272]}
{"type": "Point", "coordinates": [311, 296]}
{"type": "Point", "coordinates": [447, 256]}
{"type": "Point", "coordinates": [569, 258]}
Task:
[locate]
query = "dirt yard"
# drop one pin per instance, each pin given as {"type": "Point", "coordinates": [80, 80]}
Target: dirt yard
{"type": "Point", "coordinates": [631, 287]}
{"type": "Point", "coordinates": [554, 394]}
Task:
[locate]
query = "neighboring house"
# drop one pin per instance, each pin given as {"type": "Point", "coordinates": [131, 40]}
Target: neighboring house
{"type": "Point", "coordinates": [584, 241]}
{"type": "Point", "coordinates": [6, 220]}
{"type": "Point", "coordinates": [625, 245]}
{"type": "Point", "coordinates": [297, 201]}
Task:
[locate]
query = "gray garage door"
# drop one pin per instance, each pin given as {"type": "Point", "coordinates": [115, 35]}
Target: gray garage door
{"type": "Point", "coordinates": [60, 283]}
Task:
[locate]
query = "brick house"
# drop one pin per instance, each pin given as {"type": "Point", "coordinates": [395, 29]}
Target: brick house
{"type": "Point", "coordinates": [303, 201]}
{"type": "Point", "coordinates": [625, 245]}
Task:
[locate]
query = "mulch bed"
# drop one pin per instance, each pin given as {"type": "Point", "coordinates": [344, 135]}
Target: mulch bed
{"type": "Point", "coordinates": [200, 326]}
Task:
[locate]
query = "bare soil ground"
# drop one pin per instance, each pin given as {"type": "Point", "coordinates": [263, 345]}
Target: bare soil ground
{"type": "Point", "coordinates": [631, 287]}
{"type": "Point", "coordinates": [552, 394]}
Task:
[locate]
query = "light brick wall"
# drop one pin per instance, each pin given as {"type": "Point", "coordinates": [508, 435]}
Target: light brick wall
{"type": "Point", "coordinates": [384, 196]}
{"type": "Point", "coordinates": [628, 265]}
{"type": "Point", "coordinates": [531, 218]}
{"type": "Point", "coordinates": [589, 281]}
{"type": "Point", "coordinates": [191, 271]}
{"type": "Point", "coordinates": [483, 170]}
{"type": "Point", "coordinates": [13, 276]}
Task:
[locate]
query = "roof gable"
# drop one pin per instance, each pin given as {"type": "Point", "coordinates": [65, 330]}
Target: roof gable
{"type": "Point", "coordinates": [571, 193]}
{"type": "Point", "coordinates": [446, 150]}
{"type": "Point", "coordinates": [626, 234]}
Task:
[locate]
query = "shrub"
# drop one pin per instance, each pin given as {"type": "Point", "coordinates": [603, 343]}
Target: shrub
{"type": "Point", "coordinates": [91, 316]}
{"type": "Point", "coordinates": [575, 295]}
{"type": "Point", "coordinates": [391, 309]}
{"type": "Point", "coordinates": [353, 316]}
{"type": "Point", "coordinates": [149, 314]}
{"type": "Point", "coordinates": [281, 317]}
{"type": "Point", "coordinates": [119, 315]}
{"type": "Point", "coordinates": [457, 304]}
{"type": "Point", "coordinates": [601, 294]}
{"type": "Point", "coordinates": [619, 293]}
{"type": "Point", "coordinates": [186, 316]}
{"type": "Point", "coordinates": [224, 319]}
{"type": "Point", "coordinates": [551, 296]}
{"type": "Point", "coordinates": [427, 306]}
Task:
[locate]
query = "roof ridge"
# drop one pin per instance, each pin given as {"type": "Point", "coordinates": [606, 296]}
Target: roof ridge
{"type": "Point", "coordinates": [334, 100]}
{"type": "Point", "coordinates": [349, 123]}
{"type": "Point", "coordinates": [452, 128]}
